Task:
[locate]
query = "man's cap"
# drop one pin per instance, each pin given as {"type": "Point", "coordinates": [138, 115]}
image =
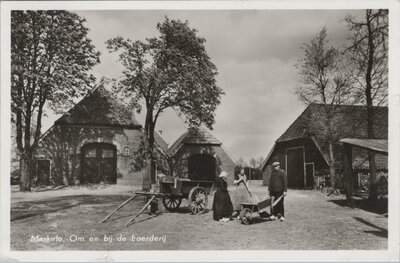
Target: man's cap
{"type": "Point", "coordinates": [275, 164]}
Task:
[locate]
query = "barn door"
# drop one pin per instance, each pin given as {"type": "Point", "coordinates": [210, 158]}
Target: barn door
{"type": "Point", "coordinates": [43, 172]}
{"type": "Point", "coordinates": [201, 167]}
{"type": "Point", "coordinates": [107, 165]}
{"type": "Point", "coordinates": [99, 163]}
{"type": "Point", "coordinates": [295, 167]}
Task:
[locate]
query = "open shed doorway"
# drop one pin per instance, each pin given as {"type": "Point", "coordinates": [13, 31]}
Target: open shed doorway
{"type": "Point", "coordinates": [201, 167]}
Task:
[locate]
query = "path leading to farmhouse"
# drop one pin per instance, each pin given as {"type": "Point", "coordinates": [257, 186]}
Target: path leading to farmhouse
{"type": "Point", "coordinates": [313, 221]}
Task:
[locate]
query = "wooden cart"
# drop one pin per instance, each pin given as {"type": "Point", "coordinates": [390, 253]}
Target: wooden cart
{"type": "Point", "coordinates": [172, 192]}
{"type": "Point", "coordinates": [195, 191]}
{"type": "Point", "coordinates": [249, 209]}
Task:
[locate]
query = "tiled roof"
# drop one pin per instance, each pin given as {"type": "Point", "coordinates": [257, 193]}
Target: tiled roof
{"type": "Point", "coordinates": [194, 136]}
{"type": "Point", "coordinates": [99, 108]}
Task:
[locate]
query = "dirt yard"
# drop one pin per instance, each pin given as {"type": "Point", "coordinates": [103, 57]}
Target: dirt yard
{"type": "Point", "coordinates": [70, 218]}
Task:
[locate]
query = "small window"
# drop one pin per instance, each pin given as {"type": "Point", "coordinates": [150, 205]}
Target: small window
{"type": "Point", "coordinates": [126, 151]}
{"type": "Point", "coordinates": [107, 153]}
{"type": "Point", "coordinates": [90, 153]}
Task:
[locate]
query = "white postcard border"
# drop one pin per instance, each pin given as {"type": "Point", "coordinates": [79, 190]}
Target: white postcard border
{"type": "Point", "coordinates": [392, 254]}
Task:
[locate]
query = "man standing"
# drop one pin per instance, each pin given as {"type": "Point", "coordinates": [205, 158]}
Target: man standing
{"type": "Point", "coordinates": [278, 187]}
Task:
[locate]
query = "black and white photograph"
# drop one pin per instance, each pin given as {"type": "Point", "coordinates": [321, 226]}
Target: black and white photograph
{"type": "Point", "coordinates": [153, 128]}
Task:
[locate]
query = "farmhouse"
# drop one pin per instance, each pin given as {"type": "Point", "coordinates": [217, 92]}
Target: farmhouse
{"type": "Point", "coordinates": [198, 155]}
{"type": "Point", "coordinates": [92, 143]}
{"type": "Point", "coordinates": [303, 149]}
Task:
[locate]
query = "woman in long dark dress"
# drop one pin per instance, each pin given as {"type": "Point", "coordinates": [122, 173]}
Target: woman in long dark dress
{"type": "Point", "coordinates": [222, 205]}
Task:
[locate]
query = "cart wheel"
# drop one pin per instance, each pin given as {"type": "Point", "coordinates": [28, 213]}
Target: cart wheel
{"type": "Point", "coordinates": [171, 202]}
{"type": "Point", "coordinates": [246, 216]}
{"type": "Point", "coordinates": [198, 200]}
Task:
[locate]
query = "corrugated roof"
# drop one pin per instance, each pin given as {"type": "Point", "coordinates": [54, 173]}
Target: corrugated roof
{"type": "Point", "coordinates": [99, 108]}
{"type": "Point", "coordinates": [198, 135]}
{"type": "Point", "coordinates": [370, 144]}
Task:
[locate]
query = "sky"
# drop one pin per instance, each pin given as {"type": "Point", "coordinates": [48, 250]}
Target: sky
{"type": "Point", "coordinates": [255, 52]}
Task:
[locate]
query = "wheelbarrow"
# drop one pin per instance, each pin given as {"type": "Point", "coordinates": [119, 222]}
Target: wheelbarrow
{"type": "Point", "coordinates": [249, 210]}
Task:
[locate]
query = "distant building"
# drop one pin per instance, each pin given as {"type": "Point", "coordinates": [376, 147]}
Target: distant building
{"type": "Point", "coordinates": [92, 143]}
{"type": "Point", "coordinates": [198, 155]}
{"type": "Point", "coordinates": [303, 152]}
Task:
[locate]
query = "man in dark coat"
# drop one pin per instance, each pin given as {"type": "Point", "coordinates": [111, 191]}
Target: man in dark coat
{"type": "Point", "coordinates": [278, 187]}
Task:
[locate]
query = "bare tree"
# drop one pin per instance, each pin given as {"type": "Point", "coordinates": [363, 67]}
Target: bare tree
{"type": "Point", "coordinates": [324, 82]}
{"type": "Point", "coordinates": [253, 163]}
{"type": "Point", "coordinates": [369, 68]}
{"type": "Point", "coordinates": [260, 161]}
{"type": "Point", "coordinates": [241, 163]}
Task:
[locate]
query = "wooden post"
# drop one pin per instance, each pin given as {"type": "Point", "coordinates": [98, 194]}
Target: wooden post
{"type": "Point", "coordinates": [348, 173]}
{"type": "Point", "coordinates": [146, 186]}
{"type": "Point", "coordinates": [141, 211]}
{"type": "Point", "coordinates": [119, 207]}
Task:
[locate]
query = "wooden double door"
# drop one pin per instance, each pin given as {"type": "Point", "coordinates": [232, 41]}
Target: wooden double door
{"type": "Point", "coordinates": [300, 174]}
{"type": "Point", "coordinates": [99, 163]}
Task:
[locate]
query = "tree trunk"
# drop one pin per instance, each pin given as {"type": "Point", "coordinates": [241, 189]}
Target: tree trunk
{"type": "Point", "coordinates": [146, 184]}
{"type": "Point", "coordinates": [373, 185]}
{"type": "Point", "coordinates": [371, 135]}
{"type": "Point", "coordinates": [348, 172]}
{"type": "Point", "coordinates": [370, 108]}
{"type": "Point", "coordinates": [26, 171]}
{"type": "Point", "coordinates": [332, 165]}
{"type": "Point", "coordinates": [373, 180]}
{"type": "Point", "coordinates": [150, 171]}
{"type": "Point", "coordinates": [152, 156]}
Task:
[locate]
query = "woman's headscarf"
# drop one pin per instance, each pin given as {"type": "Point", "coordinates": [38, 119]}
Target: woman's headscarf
{"type": "Point", "coordinates": [223, 174]}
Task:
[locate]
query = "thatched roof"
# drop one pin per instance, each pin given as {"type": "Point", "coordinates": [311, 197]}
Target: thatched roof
{"type": "Point", "coordinates": [351, 119]}
{"type": "Point", "coordinates": [198, 136]}
{"type": "Point", "coordinates": [160, 142]}
{"type": "Point", "coordinates": [349, 122]}
{"type": "Point", "coordinates": [99, 108]}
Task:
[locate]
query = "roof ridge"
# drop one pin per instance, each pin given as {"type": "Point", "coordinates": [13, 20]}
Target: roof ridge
{"type": "Point", "coordinates": [87, 110]}
{"type": "Point", "coordinates": [344, 105]}
{"type": "Point", "coordinates": [203, 134]}
{"type": "Point", "coordinates": [294, 122]}
{"type": "Point", "coordinates": [178, 141]}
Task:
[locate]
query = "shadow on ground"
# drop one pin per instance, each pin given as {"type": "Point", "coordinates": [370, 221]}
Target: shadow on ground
{"type": "Point", "coordinates": [379, 206]}
{"type": "Point", "coordinates": [380, 232]}
{"type": "Point", "coordinates": [51, 205]}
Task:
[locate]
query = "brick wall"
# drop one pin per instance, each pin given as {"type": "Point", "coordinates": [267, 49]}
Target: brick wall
{"type": "Point", "coordinates": [63, 144]}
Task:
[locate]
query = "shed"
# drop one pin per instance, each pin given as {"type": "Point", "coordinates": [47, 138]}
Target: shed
{"type": "Point", "coordinates": [198, 155]}
{"type": "Point", "coordinates": [377, 146]}
{"type": "Point", "coordinates": [303, 150]}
